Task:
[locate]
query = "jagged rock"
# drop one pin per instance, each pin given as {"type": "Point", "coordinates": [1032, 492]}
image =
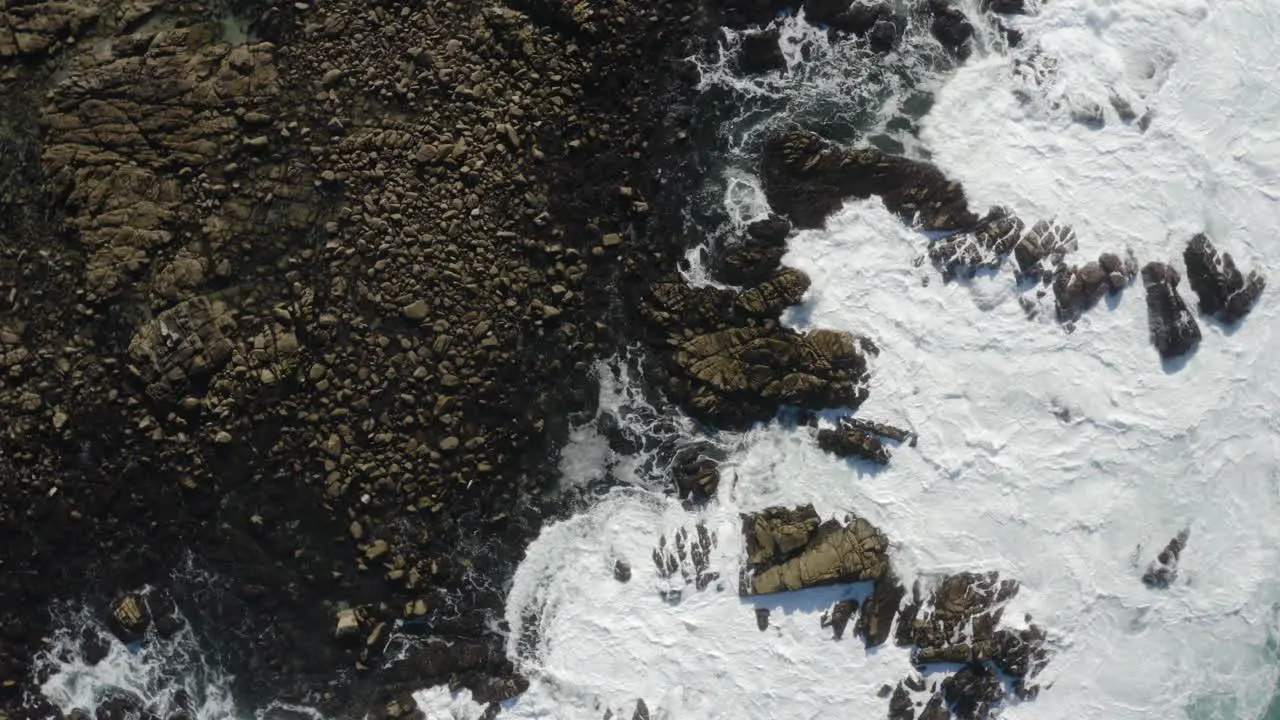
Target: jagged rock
{"type": "Point", "coordinates": [935, 709]}
{"type": "Point", "coordinates": [758, 256]}
{"type": "Point", "coordinates": [684, 561]}
{"type": "Point", "coordinates": [1224, 292]}
{"type": "Point", "coordinates": [762, 618]}
{"type": "Point", "coordinates": [622, 571]}
{"type": "Point", "coordinates": [1044, 245]}
{"type": "Point", "coordinates": [31, 29]}
{"type": "Point", "coordinates": [878, 612]}
{"type": "Point", "coordinates": [741, 375]}
{"type": "Point", "coordinates": [858, 437]}
{"type": "Point", "coordinates": [1174, 330]}
{"type": "Point", "coordinates": [1164, 569]}
{"type": "Point", "coordinates": [1020, 653]}
{"type": "Point", "coordinates": [973, 691]}
{"type": "Point", "coordinates": [792, 549]}
{"type": "Point", "coordinates": [883, 36]}
{"type": "Point", "coordinates": [951, 28]}
{"type": "Point", "coordinates": [838, 618]}
{"type": "Point", "coordinates": [181, 345]}
{"type": "Point", "coordinates": [807, 178]}
{"type": "Point", "coordinates": [760, 52]}
{"type": "Point", "coordinates": [959, 621]}
{"type": "Point", "coordinates": [768, 299]}
{"type": "Point", "coordinates": [642, 711]}
{"type": "Point", "coordinates": [982, 246]}
{"type": "Point", "coordinates": [900, 706]}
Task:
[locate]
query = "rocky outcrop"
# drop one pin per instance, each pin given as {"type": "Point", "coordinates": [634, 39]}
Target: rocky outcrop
{"type": "Point", "coordinates": [1078, 288]}
{"type": "Point", "coordinates": [1037, 250]}
{"type": "Point", "coordinates": [759, 52]}
{"type": "Point", "coordinates": [1174, 330]}
{"type": "Point", "coordinates": [34, 29]}
{"type": "Point", "coordinates": [807, 178]}
{"type": "Point", "coordinates": [973, 691]}
{"type": "Point", "coordinates": [791, 549]}
{"type": "Point", "coordinates": [1164, 569]}
{"type": "Point", "coordinates": [855, 437]}
{"type": "Point", "coordinates": [729, 362]}
{"type": "Point", "coordinates": [1225, 293]}
{"type": "Point", "coordinates": [181, 346]}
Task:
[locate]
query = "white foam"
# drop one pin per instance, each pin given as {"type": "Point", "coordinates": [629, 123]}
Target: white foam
{"type": "Point", "coordinates": [1071, 503]}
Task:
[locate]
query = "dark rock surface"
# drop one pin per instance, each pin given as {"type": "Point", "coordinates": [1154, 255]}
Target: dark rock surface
{"type": "Point", "coordinates": [1224, 291]}
{"type": "Point", "coordinates": [806, 178]}
{"type": "Point", "coordinates": [876, 619]}
{"type": "Point", "coordinates": [857, 437]}
{"type": "Point", "coordinates": [951, 28]}
{"type": "Point", "coordinates": [1174, 330]}
{"type": "Point", "coordinates": [760, 52]}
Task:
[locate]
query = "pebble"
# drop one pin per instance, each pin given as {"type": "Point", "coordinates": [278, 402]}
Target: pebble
{"type": "Point", "coordinates": [450, 444]}
{"type": "Point", "coordinates": [416, 310]}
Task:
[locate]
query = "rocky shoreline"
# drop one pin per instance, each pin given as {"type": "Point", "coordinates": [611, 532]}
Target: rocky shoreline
{"type": "Point", "coordinates": [310, 310]}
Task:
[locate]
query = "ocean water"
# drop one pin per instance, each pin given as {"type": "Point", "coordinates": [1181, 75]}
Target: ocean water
{"type": "Point", "coordinates": [1063, 459]}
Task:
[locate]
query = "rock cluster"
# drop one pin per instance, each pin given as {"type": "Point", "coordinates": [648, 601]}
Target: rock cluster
{"type": "Point", "coordinates": [794, 549]}
{"type": "Point", "coordinates": [684, 562]}
{"type": "Point", "coordinates": [950, 26]}
{"type": "Point", "coordinates": [1164, 569]}
{"type": "Point", "coordinates": [1225, 293]}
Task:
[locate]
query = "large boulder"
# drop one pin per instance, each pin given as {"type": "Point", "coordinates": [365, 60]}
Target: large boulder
{"type": "Point", "coordinates": [951, 27]}
{"type": "Point", "coordinates": [850, 16]}
{"type": "Point", "coordinates": [807, 178]}
{"type": "Point", "coordinates": [877, 614]}
{"type": "Point", "coordinates": [1174, 330]}
{"type": "Point", "coordinates": [182, 345]}
{"type": "Point", "coordinates": [793, 549]}
{"type": "Point", "coordinates": [1224, 292]}
{"type": "Point", "coordinates": [756, 257]}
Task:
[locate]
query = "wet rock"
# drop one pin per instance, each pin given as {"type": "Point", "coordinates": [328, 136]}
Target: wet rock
{"type": "Point", "coordinates": [760, 53]}
{"type": "Point", "coordinates": [622, 571]}
{"type": "Point", "coordinates": [883, 36]}
{"type": "Point", "coordinates": [1174, 330]}
{"type": "Point", "coordinates": [1164, 569]}
{"type": "Point", "coordinates": [130, 617]}
{"type": "Point", "coordinates": [951, 27]}
{"type": "Point", "coordinates": [762, 618]}
{"type": "Point", "coordinates": [1224, 292]}
{"type": "Point", "coordinates": [935, 709]}
{"type": "Point", "coordinates": [958, 622]}
{"type": "Point", "coordinates": [860, 438]}
{"type": "Point", "coordinates": [685, 561]}
{"type": "Point", "coordinates": [757, 257]}
{"type": "Point", "coordinates": [838, 617]}
{"type": "Point", "coordinates": [1005, 7]}
{"type": "Point", "coordinates": [793, 549]}
{"type": "Point", "coordinates": [900, 705]}
{"type": "Point", "coordinates": [847, 16]}
{"type": "Point", "coordinates": [973, 691]}
{"type": "Point", "coordinates": [983, 246]}
{"type": "Point", "coordinates": [878, 612]}
{"type": "Point", "coordinates": [806, 178]}
{"type": "Point", "coordinates": [642, 711]}
{"type": "Point", "coordinates": [696, 470]}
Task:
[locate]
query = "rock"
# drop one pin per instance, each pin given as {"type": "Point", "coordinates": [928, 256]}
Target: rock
{"type": "Point", "coordinates": [951, 28]}
{"type": "Point", "coordinates": [1224, 292]}
{"type": "Point", "coordinates": [1005, 7]}
{"type": "Point", "coordinates": [348, 625]}
{"type": "Point", "coordinates": [973, 691]}
{"type": "Point", "coordinates": [806, 178]}
{"type": "Point", "coordinates": [416, 310]}
{"type": "Point", "coordinates": [1164, 569]}
{"type": "Point", "coordinates": [1174, 330]}
{"type": "Point", "coordinates": [883, 36]}
{"type": "Point", "coordinates": [762, 618]}
{"type": "Point", "coordinates": [878, 612]}
{"type": "Point", "coordinates": [449, 444]}
{"type": "Point", "coordinates": [180, 345]}
{"type": "Point", "coordinates": [696, 469]}
{"type": "Point", "coordinates": [793, 549]}
{"type": "Point", "coordinates": [900, 705]}
{"type": "Point", "coordinates": [935, 709]}
{"type": "Point", "coordinates": [768, 299]}
{"type": "Point", "coordinates": [859, 438]}
{"type": "Point", "coordinates": [958, 622]}
{"type": "Point", "coordinates": [757, 257]}
{"type": "Point", "coordinates": [841, 612]}
{"type": "Point", "coordinates": [642, 711]}
{"type": "Point", "coordinates": [130, 617]}
{"type": "Point", "coordinates": [760, 53]}
{"type": "Point", "coordinates": [622, 571]}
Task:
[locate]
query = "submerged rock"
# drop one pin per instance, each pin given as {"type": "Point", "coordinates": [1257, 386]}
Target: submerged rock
{"type": "Point", "coordinates": [1224, 292]}
{"type": "Point", "coordinates": [1164, 569]}
{"type": "Point", "coordinates": [1174, 330]}
{"type": "Point", "coordinates": [793, 549]}
{"type": "Point", "coordinates": [807, 178]}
